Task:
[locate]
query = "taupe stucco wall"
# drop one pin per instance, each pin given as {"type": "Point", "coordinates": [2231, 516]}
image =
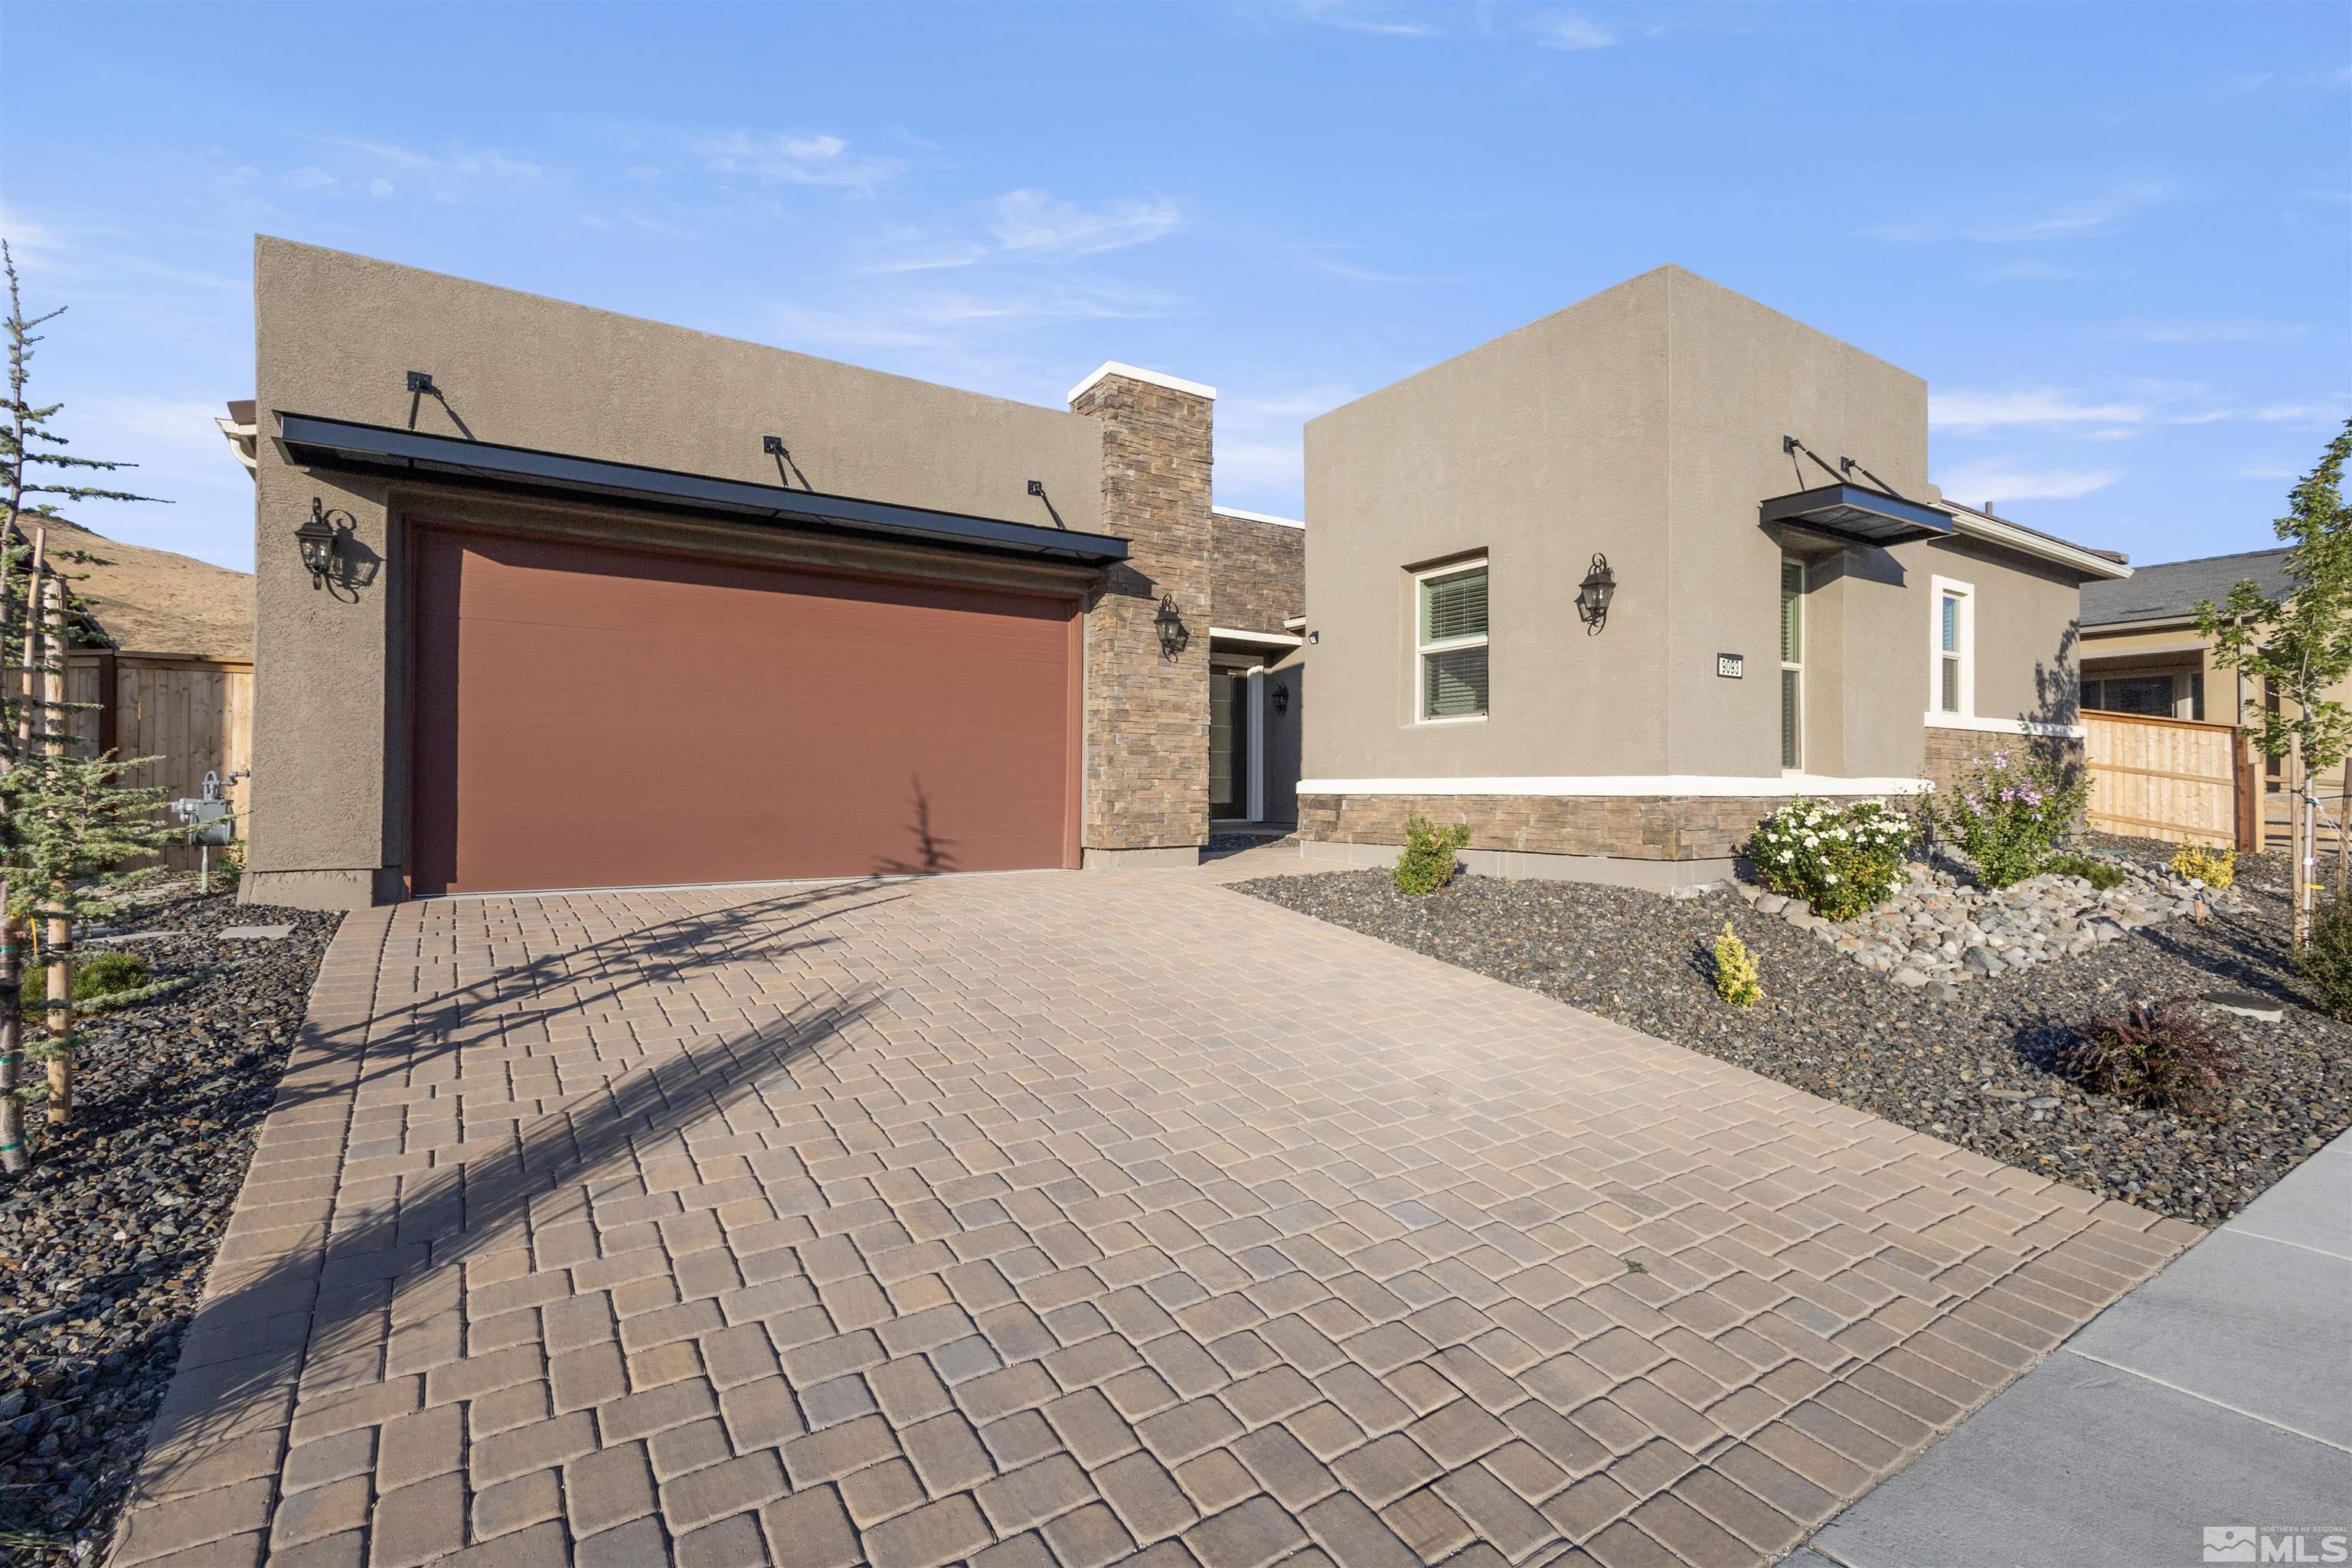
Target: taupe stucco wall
{"type": "Point", "coordinates": [334, 334]}
{"type": "Point", "coordinates": [1539, 448]}
{"type": "Point", "coordinates": [2026, 653]}
{"type": "Point", "coordinates": [1740, 378]}
{"type": "Point", "coordinates": [1646, 422]}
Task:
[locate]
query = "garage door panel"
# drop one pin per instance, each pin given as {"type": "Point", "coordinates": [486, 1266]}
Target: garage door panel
{"type": "Point", "coordinates": [592, 717]}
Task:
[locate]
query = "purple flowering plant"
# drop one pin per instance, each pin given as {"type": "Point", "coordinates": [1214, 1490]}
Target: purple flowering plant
{"type": "Point", "coordinates": [2009, 814]}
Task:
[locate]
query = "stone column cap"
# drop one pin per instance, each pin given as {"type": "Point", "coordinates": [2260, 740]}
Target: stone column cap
{"type": "Point", "coordinates": [1136, 373]}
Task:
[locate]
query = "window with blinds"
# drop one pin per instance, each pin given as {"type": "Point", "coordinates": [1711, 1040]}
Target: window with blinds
{"type": "Point", "coordinates": [1954, 637]}
{"type": "Point", "coordinates": [1451, 644]}
{"type": "Point", "coordinates": [1793, 664]}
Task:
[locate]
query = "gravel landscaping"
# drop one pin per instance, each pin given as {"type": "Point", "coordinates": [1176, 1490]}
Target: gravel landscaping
{"type": "Point", "coordinates": [1970, 1064]}
{"type": "Point", "coordinates": [104, 1244]}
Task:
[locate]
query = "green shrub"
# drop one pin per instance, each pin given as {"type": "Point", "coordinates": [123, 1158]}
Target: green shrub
{"type": "Point", "coordinates": [2008, 815]}
{"type": "Point", "coordinates": [2325, 960]}
{"type": "Point", "coordinates": [2097, 869]}
{"type": "Point", "coordinates": [1736, 977]}
{"type": "Point", "coordinates": [107, 974]}
{"type": "Point", "coordinates": [2161, 1055]}
{"type": "Point", "coordinates": [1841, 861]}
{"type": "Point", "coordinates": [1427, 863]}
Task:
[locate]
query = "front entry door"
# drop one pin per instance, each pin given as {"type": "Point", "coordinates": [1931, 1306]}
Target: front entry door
{"type": "Point", "coordinates": [1229, 697]}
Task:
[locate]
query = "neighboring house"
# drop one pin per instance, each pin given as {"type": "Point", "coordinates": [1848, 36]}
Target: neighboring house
{"type": "Point", "coordinates": [1789, 617]}
{"type": "Point", "coordinates": [613, 602]}
{"type": "Point", "coordinates": [2142, 652]}
{"type": "Point", "coordinates": [162, 656]}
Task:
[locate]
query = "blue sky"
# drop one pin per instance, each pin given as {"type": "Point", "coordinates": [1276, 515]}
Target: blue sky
{"type": "Point", "coordinates": [2116, 241]}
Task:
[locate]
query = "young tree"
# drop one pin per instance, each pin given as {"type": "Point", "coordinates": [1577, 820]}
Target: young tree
{"type": "Point", "coordinates": [36, 473]}
{"type": "Point", "coordinates": [2299, 645]}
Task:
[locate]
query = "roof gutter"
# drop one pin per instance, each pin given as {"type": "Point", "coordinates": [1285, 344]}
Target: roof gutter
{"type": "Point", "coordinates": [2026, 541]}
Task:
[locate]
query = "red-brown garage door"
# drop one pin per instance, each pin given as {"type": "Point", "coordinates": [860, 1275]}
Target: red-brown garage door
{"type": "Point", "coordinates": [593, 717]}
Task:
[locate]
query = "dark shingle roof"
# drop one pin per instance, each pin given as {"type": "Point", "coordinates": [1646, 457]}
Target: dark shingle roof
{"type": "Point", "coordinates": [2171, 589]}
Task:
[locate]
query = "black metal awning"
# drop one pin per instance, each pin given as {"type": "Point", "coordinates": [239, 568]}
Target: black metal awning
{"type": "Point", "coordinates": [1859, 514]}
{"type": "Point", "coordinates": [311, 441]}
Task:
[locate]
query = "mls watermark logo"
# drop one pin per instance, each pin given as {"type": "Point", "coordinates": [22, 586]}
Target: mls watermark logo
{"type": "Point", "coordinates": [2270, 1544]}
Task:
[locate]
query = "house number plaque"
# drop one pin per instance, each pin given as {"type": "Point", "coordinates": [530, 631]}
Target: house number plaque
{"type": "Point", "coordinates": [1730, 666]}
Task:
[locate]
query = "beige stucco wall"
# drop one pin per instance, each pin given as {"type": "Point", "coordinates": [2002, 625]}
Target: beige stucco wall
{"type": "Point", "coordinates": [335, 335]}
{"type": "Point", "coordinates": [1646, 423]}
{"type": "Point", "coordinates": [1539, 448]}
{"type": "Point", "coordinates": [1741, 377]}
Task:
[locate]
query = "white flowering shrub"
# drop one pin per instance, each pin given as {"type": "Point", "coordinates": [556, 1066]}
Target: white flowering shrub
{"type": "Point", "coordinates": [1840, 859]}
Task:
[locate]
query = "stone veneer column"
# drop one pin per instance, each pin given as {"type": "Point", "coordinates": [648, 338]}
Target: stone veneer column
{"type": "Point", "coordinates": [1147, 718]}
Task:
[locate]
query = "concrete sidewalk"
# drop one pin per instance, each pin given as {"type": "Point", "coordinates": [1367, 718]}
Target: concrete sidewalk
{"type": "Point", "coordinates": [2218, 1396]}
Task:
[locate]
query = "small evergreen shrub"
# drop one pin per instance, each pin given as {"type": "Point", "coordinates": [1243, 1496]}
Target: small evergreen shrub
{"type": "Point", "coordinates": [1841, 861]}
{"type": "Point", "coordinates": [1428, 863]}
{"type": "Point", "coordinates": [2215, 867]}
{"type": "Point", "coordinates": [2160, 1054]}
{"type": "Point", "coordinates": [2325, 960]}
{"type": "Point", "coordinates": [1736, 980]}
{"type": "Point", "coordinates": [107, 974]}
{"type": "Point", "coordinates": [2008, 815]}
{"type": "Point", "coordinates": [2097, 869]}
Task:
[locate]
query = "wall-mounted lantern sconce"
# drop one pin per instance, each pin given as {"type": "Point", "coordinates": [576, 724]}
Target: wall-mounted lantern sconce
{"type": "Point", "coordinates": [1282, 697]}
{"type": "Point", "coordinates": [1593, 597]}
{"type": "Point", "coordinates": [320, 541]}
{"type": "Point", "coordinates": [1171, 626]}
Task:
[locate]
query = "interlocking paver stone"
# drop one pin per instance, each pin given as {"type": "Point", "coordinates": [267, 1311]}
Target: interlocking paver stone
{"type": "Point", "coordinates": [991, 1207]}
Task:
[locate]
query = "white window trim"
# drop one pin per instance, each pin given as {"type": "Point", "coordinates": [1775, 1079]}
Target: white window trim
{"type": "Point", "coordinates": [1422, 649]}
{"type": "Point", "coordinates": [1804, 586]}
{"type": "Point", "coordinates": [1966, 594]}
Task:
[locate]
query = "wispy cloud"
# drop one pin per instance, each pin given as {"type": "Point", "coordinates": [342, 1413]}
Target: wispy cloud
{"type": "Point", "coordinates": [2323, 78]}
{"type": "Point", "coordinates": [1379, 20]}
{"type": "Point", "coordinates": [1319, 256]}
{"type": "Point", "coordinates": [787, 160]}
{"type": "Point", "coordinates": [2001, 480]}
{"type": "Point", "coordinates": [1570, 30]}
{"type": "Point", "coordinates": [1974, 411]}
{"type": "Point", "coordinates": [458, 162]}
{"type": "Point", "coordinates": [1035, 223]}
{"type": "Point", "coordinates": [2199, 333]}
{"type": "Point", "coordinates": [2076, 218]}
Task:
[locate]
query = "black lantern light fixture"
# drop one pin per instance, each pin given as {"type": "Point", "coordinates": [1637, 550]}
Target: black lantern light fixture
{"type": "Point", "coordinates": [1282, 697]}
{"type": "Point", "coordinates": [320, 541]}
{"type": "Point", "coordinates": [1170, 625]}
{"type": "Point", "coordinates": [1593, 597]}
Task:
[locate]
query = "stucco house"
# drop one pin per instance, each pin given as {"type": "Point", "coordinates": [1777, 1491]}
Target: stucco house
{"type": "Point", "coordinates": [1795, 608]}
{"type": "Point", "coordinates": [549, 597]}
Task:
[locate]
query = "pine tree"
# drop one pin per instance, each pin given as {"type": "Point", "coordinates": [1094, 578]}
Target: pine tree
{"type": "Point", "coordinates": [37, 471]}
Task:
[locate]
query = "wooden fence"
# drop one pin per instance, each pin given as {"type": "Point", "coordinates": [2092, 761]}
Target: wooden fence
{"type": "Point", "coordinates": [2171, 779]}
{"type": "Point", "coordinates": [194, 716]}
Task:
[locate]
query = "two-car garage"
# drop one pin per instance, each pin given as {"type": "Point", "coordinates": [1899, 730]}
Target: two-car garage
{"type": "Point", "coordinates": [587, 714]}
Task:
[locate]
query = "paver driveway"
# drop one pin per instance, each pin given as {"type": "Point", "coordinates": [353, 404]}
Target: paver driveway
{"type": "Point", "coordinates": [1058, 1219]}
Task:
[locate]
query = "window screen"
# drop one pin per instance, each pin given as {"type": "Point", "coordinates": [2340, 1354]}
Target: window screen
{"type": "Point", "coordinates": [1454, 606]}
{"type": "Point", "coordinates": [1453, 644]}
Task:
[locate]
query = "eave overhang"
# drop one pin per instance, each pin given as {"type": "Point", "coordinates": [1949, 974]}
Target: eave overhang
{"type": "Point", "coordinates": [311, 441]}
{"type": "Point", "coordinates": [1858, 515]}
